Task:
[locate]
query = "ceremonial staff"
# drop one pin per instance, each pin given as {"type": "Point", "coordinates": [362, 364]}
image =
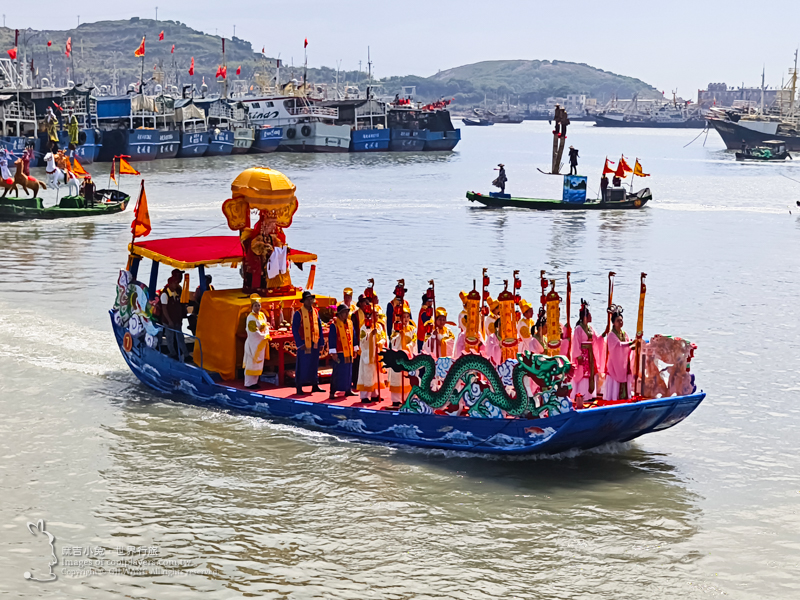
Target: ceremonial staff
{"type": "Point", "coordinates": [433, 327]}
{"type": "Point", "coordinates": [611, 275]}
{"type": "Point", "coordinates": [373, 316]}
{"type": "Point", "coordinates": [569, 327]}
{"type": "Point", "coordinates": [638, 364]}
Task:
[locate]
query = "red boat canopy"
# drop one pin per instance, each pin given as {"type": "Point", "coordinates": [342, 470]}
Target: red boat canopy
{"type": "Point", "coordinates": [191, 252]}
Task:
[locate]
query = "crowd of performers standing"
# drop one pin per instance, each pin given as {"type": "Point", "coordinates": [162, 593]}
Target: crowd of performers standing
{"type": "Point", "coordinates": [496, 328]}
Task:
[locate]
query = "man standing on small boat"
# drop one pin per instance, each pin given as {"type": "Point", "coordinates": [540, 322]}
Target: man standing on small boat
{"type": "Point", "coordinates": [341, 343]}
{"type": "Point", "coordinates": [573, 160]}
{"type": "Point", "coordinates": [256, 348]}
{"type": "Point", "coordinates": [307, 333]}
{"type": "Point", "coordinates": [172, 316]}
{"type": "Point", "coordinates": [88, 191]}
{"type": "Point", "coordinates": [501, 179]}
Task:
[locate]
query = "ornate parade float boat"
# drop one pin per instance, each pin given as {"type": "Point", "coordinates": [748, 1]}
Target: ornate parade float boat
{"type": "Point", "coordinates": [510, 400]}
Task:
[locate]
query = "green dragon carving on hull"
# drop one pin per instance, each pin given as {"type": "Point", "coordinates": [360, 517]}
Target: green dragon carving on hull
{"type": "Point", "coordinates": [549, 373]}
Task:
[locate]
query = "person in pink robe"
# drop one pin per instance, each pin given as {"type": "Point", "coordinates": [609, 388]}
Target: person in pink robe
{"type": "Point", "coordinates": [619, 378]}
{"type": "Point", "coordinates": [583, 337]}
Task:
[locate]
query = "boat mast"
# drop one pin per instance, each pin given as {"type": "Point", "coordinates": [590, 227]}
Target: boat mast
{"type": "Point", "coordinates": [794, 85]}
{"type": "Point", "coordinates": [369, 82]}
{"type": "Point", "coordinates": [762, 91]}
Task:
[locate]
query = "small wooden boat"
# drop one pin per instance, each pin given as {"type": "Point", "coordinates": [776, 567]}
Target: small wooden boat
{"type": "Point", "coordinates": [20, 209]}
{"type": "Point", "coordinates": [626, 201]}
{"type": "Point", "coordinates": [770, 150]}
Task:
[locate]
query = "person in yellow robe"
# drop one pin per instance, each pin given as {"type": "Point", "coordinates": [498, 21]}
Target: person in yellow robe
{"type": "Point", "coordinates": [526, 330]}
{"type": "Point", "coordinates": [403, 338]}
{"type": "Point", "coordinates": [256, 347]}
{"type": "Point", "coordinates": [441, 342]}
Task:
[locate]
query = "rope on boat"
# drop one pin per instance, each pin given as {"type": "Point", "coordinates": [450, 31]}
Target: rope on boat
{"type": "Point", "coordinates": [209, 229]}
{"type": "Point", "coordinates": [705, 130]}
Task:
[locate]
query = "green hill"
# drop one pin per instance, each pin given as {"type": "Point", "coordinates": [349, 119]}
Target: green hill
{"type": "Point", "coordinates": [98, 48]}
{"type": "Point", "coordinates": [531, 80]}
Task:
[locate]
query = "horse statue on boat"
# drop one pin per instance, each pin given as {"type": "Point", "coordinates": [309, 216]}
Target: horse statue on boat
{"type": "Point", "coordinates": [25, 181]}
{"type": "Point", "coordinates": [59, 173]}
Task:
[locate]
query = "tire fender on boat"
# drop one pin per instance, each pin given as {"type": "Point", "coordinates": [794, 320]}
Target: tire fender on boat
{"type": "Point", "coordinates": [306, 131]}
{"type": "Point", "coordinates": [291, 133]}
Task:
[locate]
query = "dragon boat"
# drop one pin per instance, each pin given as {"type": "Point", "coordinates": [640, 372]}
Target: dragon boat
{"type": "Point", "coordinates": [522, 406]}
{"type": "Point", "coordinates": [108, 202]}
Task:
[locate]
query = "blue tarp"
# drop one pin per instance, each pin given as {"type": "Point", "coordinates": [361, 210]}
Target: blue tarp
{"type": "Point", "coordinates": [109, 108]}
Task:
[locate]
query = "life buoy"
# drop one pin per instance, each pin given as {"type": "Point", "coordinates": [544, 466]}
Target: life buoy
{"type": "Point", "coordinates": [306, 131]}
{"type": "Point", "coordinates": [291, 133]}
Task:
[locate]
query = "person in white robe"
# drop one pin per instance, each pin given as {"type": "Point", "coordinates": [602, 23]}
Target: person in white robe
{"type": "Point", "coordinates": [256, 347]}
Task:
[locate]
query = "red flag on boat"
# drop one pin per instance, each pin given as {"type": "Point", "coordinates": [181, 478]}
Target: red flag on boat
{"type": "Point", "coordinates": [49, 43]}
{"type": "Point", "coordinates": [58, 106]}
{"type": "Point", "coordinates": [262, 49]}
{"type": "Point", "coordinates": [305, 44]}
{"type": "Point", "coordinates": [68, 47]}
{"type": "Point", "coordinates": [191, 67]}
{"type": "Point", "coordinates": [625, 166]}
{"type": "Point", "coordinates": [239, 70]}
{"type": "Point", "coordinates": [141, 226]}
{"type": "Point", "coordinates": [161, 36]}
{"type": "Point", "coordinates": [12, 54]}
{"type": "Point", "coordinates": [140, 50]}
{"type": "Point", "coordinates": [607, 168]}
{"type": "Point", "coordinates": [125, 168]}
{"type": "Point", "coordinates": [173, 49]}
{"type": "Point", "coordinates": [112, 176]}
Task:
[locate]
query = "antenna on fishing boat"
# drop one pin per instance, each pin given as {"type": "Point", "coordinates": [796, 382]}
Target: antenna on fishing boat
{"type": "Point", "coordinates": [369, 72]}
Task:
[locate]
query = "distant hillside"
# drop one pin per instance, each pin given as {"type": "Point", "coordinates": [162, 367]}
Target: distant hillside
{"type": "Point", "coordinates": [532, 80]}
{"type": "Point", "coordinates": [98, 47]}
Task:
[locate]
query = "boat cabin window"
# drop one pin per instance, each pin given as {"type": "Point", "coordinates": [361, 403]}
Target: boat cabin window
{"type": "Point", "coordinates": [27, 129]}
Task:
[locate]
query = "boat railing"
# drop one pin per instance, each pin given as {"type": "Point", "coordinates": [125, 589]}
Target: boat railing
{"type": "Point", "coordinates": [313, 111]}
{"type": "Point", "coordinates": [197, 342]}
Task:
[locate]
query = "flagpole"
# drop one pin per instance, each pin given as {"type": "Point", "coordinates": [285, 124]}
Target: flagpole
{"type": "Point", "coordinates": [633, 173]}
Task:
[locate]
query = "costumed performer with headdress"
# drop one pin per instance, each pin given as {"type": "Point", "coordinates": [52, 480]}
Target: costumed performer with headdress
{"type": "Point", "coordinates": [395, 307]}
{"type": "Point", "coordinates": [307, 334]}
{"type": "Point", "coordinates": [441, 341]}
{"type": "Point", "coordinates": [619, 379]}
{"type": "Point", "coordinates": [492, 349]}
{"type": "Point", "coordinates": [256, 347]}
{"type": "Point", "coordinates": [425, 318]}
{"type": "Point", "coordinates": [405, 340]}
{"type": "Point", "coordinates": [526, 329]}
{"type": "Point", "coordinates": [5, 174]}
{"type": "Point", "coordinates": [588, 354]}
{"type": "Point", "coordinates": [341, 342]}
{"type": "Point", "coordinates": [372, 339]}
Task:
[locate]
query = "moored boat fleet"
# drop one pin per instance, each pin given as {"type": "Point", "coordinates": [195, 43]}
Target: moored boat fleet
{"type": "Point", "coordinates": [182, 125]}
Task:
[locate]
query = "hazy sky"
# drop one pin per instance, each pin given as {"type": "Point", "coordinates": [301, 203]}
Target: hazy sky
{"type": "Point", "coordinates": [683, 44]}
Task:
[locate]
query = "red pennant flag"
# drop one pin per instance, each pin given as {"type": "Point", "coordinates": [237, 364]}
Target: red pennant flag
{"type": "Point", "coordinates": [77, 167]}
{"type": "Point", "coordinates": [49, 43]}
{"type": "Point", "coordinates": [239, 70]}
{"type": "Point", "coordinates": [219, 71]}
{"type": "Point", "coordinates": [607, 168]}
{"type": "Point", "coordinates": [624, 165]}
{"type": "Point", "coordinates": [224, 72]}
{"type": "Point", "coordinates": [68, 47]}
{"type": "Point", "coordinates": [141, 226]}
{"type": "Point", "coordinates": [262, 49]}
{"type": "Point", "coordinates": [637, 170]}
{"type": "Point", "coordinates": [139, 52]}
{"type": "Point", "coordinates": [191, 68]}
{"type": "Point", "coordinates": [125, 167]}
{"type": "Point", "coordinates": [173, 49]}
{"type": "Point", "coordinates": [161, 37]}
{"type": "Point", "coordinates": [57, 105]}
{"type": "Point", "coordinates": [112, 176]}
{"type": "Point", "coordinates": [305, 44]}
{"type": "Point", "coordinates": [12, 54]}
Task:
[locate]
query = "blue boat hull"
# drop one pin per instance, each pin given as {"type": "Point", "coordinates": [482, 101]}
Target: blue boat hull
{"type": "Point", "coordinates": [582, 429]}
{"type": "Point", "coordinates": [267, 140]}
{"type": "Point", "coordinates": [169, 143]}
{"type": "Point", "coordinates": [87, 152]}
{"type": "Point", "coordinates": [193, 144]}
{"type": "Point", "coordinates": [370, 140]}
{"type": "Point", "coordinates": [16, 146]}
{"type": "Point", "coordinates": [441, 141]}
{"type": "Point", "coordinates": [220, 143]}
{"type": "Point", "coordinates": [138, 144]}
{"type": "Point", "coordinates": [407, 140]}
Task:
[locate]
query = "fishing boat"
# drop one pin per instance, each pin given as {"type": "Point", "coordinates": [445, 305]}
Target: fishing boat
{"type": "Point", "coordinates": [367, 120]}
{"type": "Point", "coordinates": [266, 139]}
{"type": "Point", "coordinates": [191, 122]}
{"type": "Point", "coordinates": [17, 123]}
{"type": "Point", "coordinates": [618, 199]}
{"type": "Point", "coordinates": [219, 114]}
{"type": "Point", "coordinates": [770, 150]}
{"type": "Point", "coordinates": [476, 122]}
{"type": "Point", "coordinates": [76, 101]}
{"type": "Point", "coordinates": [421, 127]}
{"type": "Point", "coordinates": [522, 406]}
{"type": "Point", "coordinates": [139, 126]}
{"type": "Point", "coordinates": [650, 114]}
{"type": "Point", "coordinates": [108, 202]}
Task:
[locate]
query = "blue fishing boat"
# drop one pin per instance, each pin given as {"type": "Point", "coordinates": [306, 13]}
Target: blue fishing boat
{"type": "Point", "coordinates": [219, 118]}
{"type": "Point", "coordinates": [368, 122]}
{"type": "Point", "coordinates": [17, 124]}
{"type": "Point", "coordinates": [441, 141]}
{"type": "Point", "coordinates": [407, 140]}
{"type": "Point", "coordinates": [76, 102]}
{"type": "Point", "coordinates": [267, 139]}
{"type": "Point", "coordinates": [418, 127]}
{"type": "Point", "coordinates": [138, 126]}
{"type": "Point", "coordinates": [191, 122]}
{"type": "Point", "coordinates": [522, 406]}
